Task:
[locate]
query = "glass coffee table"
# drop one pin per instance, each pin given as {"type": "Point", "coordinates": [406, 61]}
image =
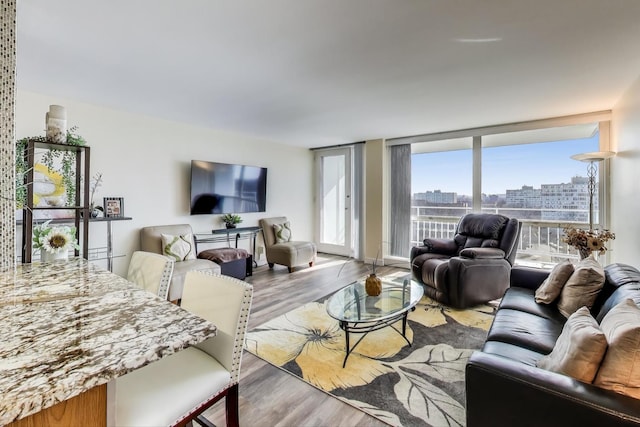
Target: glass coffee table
{"type": "Point", "coordinates": [357, 312]}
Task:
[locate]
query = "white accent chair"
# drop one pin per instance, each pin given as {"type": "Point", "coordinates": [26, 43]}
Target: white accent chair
{"type": "Point", "coordinates": [151, 241]}
{"type": "Point", "coordinates": [152, 272]}
{"type": "Point", "coordinates": [177, 389]}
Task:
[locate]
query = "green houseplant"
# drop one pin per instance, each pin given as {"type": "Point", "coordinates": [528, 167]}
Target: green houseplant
{"type": "Point", "coordinates": [231, 220]}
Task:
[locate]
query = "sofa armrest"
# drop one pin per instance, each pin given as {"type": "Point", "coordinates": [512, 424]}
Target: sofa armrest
{"type": "Point", "coordinates": [504, 392]}
{"type": "Point", "coordinates": [528, 277]}
{"type": "Point", "coordinates": [483, 253]}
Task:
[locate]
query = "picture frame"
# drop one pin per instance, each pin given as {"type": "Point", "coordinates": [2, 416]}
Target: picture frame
{"type": "Point", "coordinates": [113, 207]}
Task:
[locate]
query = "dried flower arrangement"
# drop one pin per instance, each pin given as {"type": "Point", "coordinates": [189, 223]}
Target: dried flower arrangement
{"type": "Point", "coordinates": [587, 241]}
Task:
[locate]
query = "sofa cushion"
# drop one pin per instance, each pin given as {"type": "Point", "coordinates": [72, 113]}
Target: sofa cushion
{"type": "Point", "coordinates": [552, 286]}
{"type": "Point", "coordinates": [178, 247]}
{"type": "Point", "coordinates": [282, 232]}
{"type": "Point", "coordinates": [522, 299]}
{"type": "Point", "coordinates": [525, 330]}
{"type": "Point", "coordinates": [620, 369]}
{"type": "Point", "coordinates": [582, 287]}
{"type": "Point", "coordinates": [628, 291]}
{"type": "Point", "coordinates": [616, 275]}
{"type": "Point", "coordinates": [579, 349]}
{"type": "Point", "coordinates": [513, 352]}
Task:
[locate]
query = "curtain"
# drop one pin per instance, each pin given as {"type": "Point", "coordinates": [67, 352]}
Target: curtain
{"type": "Point", "coordinates": [400, 200]}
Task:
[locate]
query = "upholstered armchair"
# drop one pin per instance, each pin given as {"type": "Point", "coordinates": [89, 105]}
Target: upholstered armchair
{"type": "Point", "coordinates": [472, 268]}
{"type": "Point", "coordinates": [280, 247]}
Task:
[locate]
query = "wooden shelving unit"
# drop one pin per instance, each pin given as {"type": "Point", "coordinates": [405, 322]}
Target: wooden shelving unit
{"type": "Point", "coordinates": [81, 207]}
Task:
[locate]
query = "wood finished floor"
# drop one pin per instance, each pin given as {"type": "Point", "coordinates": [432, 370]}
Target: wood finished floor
{"type": "Point", "coordinates": [270, 396]}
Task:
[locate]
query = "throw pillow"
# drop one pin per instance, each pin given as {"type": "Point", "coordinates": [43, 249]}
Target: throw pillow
{"type": "Point", "coordinates": [552, 286]}
{"type": "Point", "coordinates": [282, 232]}
{"type": "Point", "coordinates": [620, 369]}
{"type": "Point", "coordinates": [579, 348]}
{"type": "Point", "coordinates": [180, 248]}
{"type": "Point", "coordinates": [582, 288]}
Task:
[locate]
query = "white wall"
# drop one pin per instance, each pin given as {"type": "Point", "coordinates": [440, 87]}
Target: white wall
{"type": "Point", "coordinates": [147, 161]}
{"type": "Point", "coordinates": [625, 175]}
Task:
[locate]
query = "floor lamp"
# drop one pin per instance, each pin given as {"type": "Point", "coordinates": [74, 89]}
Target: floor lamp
{"type": "Point", "coordinates": [592, 159]}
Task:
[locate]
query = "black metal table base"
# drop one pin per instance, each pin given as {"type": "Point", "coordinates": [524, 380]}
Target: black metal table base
{"type": "Point", "coordinates": [366, 327]}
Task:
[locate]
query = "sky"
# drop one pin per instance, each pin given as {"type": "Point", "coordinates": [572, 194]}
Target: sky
{"type": "Point", "coordinates": [507, 167]}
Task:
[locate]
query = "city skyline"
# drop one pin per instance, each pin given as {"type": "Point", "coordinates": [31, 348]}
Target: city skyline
{"type": "Point", "coordinates": [504, 168]}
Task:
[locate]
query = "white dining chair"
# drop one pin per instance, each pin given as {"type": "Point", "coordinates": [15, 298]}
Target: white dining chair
{"type": "Point", "coordinates": [178, 388]}
{"type": "Point", "coordinates": [152, 272]}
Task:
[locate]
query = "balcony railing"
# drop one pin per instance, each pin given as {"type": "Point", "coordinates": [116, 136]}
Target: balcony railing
{"type": "Point", "coordinates": [540, 240]}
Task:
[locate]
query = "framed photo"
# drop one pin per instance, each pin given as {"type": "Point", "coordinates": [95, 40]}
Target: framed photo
{"type": "Point", "coordinates": [113, 207]}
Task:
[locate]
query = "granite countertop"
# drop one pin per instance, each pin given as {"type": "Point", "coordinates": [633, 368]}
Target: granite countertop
{"type": "Point", "coordinates": [66, 327]}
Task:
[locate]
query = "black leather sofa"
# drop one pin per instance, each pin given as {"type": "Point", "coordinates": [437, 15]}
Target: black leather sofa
{"type": "Point", "coordinates": [505, 388]}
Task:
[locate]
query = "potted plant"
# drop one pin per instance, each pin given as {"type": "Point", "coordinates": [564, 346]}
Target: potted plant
{"type": "Point", "coordinates": [230, 220]}
{"type": "Point", "coordinates": [54, 242]}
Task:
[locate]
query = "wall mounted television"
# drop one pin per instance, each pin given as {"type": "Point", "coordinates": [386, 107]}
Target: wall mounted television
{"type": "Point", "coordinates": [219, 188]}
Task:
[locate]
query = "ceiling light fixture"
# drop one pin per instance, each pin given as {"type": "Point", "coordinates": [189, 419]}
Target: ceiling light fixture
{"type": "Point", "coordinates": [478, 40]}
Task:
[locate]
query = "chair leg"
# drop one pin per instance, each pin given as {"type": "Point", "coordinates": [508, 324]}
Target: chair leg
{"type": "Point", "coordinates": [291, 269]}
{"type": "Point", "coordinates": [310, 263]}
{"type": "Point", "coordinates": [231, 402]}
{"type": "Point", "coordinates": [201, 420]}
{"type": "Point", "coordinates": [270, 265]}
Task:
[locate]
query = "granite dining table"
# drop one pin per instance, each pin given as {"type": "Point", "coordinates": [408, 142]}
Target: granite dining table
{"type": "Point", "coordinates": [68, 329]}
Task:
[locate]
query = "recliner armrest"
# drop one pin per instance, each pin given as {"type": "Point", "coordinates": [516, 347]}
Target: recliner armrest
{"type": "Point", "coordinates": [483, 253]}
{"type": "Point", "coordinates": [529, 396]}
{"type": "Point", "coordinates": [441, 246]}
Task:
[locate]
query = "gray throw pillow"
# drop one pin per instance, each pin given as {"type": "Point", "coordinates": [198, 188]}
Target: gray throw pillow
{"type": "Point", "coordinates": [552, 286]}
{"type": "Point", "coordinates": [582, 288]}
{"type": "Point", "coordinates": [579, 348]}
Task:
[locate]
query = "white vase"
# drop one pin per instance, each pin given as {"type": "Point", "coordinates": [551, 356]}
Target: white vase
{"type": "Point", "coordinates": [56, 122]}
{"type": "Point", "coordinates": [46, 256]}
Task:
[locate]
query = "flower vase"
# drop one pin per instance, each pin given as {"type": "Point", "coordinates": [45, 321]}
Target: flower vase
{"type": "Point", "coordinates": [46, 256]}
{"type": "Point", "coordinates": [373, 285]}
{"type": "Point", "coordinates": [584, 253]}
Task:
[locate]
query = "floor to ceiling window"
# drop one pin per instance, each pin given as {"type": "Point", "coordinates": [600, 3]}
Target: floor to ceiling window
{"type": "Point", "coordinates": [527, 174]}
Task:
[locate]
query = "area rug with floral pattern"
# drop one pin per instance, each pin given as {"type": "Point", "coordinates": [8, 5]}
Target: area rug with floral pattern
{"type": "Point", "coordinates": [421, 384]}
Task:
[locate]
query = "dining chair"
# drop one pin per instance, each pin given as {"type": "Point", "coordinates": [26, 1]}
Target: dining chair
{"type": "Point", "coordinates": [177, 389]}
{"type": "Point", "coordinates": [151, 272]}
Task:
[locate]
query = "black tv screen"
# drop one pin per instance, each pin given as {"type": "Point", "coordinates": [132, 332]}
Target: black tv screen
{"type": "Point", "coordinates": [219, 188]}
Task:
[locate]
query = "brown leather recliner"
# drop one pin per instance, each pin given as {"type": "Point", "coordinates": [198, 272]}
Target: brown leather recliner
{"type": "Point", "coordinates": [472, 268]}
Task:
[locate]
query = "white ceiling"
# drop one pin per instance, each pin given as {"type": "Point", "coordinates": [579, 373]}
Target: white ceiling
{"type": "Point", "coordinates": [321, 72]}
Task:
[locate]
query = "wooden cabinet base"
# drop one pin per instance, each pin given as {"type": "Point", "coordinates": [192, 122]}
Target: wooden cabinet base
{"type": "Point", "coordinates": [86, 409]}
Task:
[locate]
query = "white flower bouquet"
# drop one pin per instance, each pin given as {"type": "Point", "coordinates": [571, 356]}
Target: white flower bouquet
{"type": "Point", "coordinates": [54, 239]}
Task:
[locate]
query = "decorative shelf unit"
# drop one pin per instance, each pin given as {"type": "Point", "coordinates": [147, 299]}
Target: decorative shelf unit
{"type": "Point", "coordinates": [80, 208]}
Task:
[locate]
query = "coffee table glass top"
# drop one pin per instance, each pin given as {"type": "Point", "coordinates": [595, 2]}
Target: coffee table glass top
{"type": "Point", "coordinates": [352, 304]}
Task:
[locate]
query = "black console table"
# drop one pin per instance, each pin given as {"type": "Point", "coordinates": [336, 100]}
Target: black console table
{"type": "Point", "coordinates": [226, 235]}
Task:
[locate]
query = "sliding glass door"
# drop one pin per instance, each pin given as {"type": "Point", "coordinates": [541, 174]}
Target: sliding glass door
{"type": "Point", "coordinates": [334, 188]}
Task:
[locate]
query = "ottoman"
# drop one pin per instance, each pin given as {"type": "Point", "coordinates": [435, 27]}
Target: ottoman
{"type": "Point", "coordinates": [232, 261]}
